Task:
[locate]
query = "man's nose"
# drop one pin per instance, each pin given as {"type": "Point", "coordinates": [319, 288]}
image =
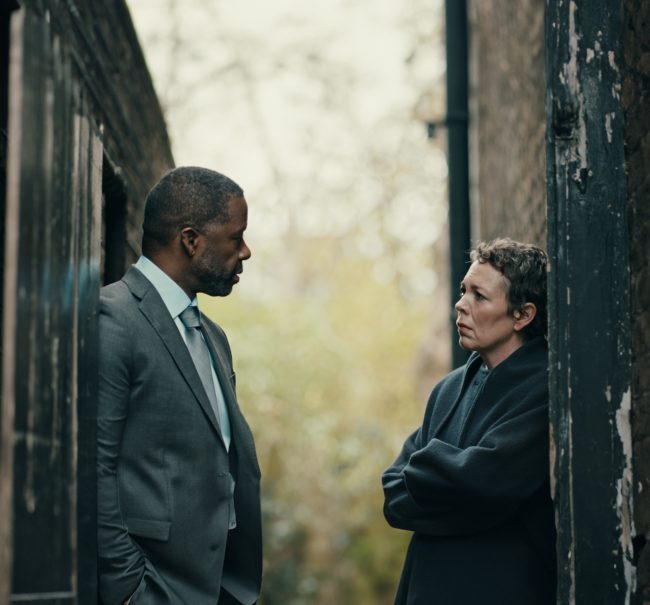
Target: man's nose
{"type": "Point", "coordinates": [245, 252]}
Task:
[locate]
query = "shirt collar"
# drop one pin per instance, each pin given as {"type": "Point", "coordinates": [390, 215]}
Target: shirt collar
{"type": "Point", "coordinates": [174, 297]}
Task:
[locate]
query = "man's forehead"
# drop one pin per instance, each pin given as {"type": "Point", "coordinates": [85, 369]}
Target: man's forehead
{"type": "Point", "coordinates": [238, 207]}
{"type": "Point", "coordinates": [237, 215]}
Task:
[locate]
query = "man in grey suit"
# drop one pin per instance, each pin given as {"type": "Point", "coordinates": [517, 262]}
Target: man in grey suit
{"type": "Point", "coordinates": [178, 478]}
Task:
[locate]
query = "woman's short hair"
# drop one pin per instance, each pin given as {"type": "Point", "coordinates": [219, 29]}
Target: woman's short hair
{"type": "Point", "coordinates": [524, 266]}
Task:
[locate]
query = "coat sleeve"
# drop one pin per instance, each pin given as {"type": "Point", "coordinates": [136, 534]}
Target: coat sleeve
{"type": "Point", "coordinates": [121, 562]}
{"type": "Point", "coordinates": [439, 489]}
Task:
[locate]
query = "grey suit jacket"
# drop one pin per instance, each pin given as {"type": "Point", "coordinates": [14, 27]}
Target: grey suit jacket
{"type": "Point", "coordinates": [165, 478]}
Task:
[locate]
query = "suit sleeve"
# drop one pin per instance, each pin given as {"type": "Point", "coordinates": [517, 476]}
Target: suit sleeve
{"type": "Point", "coordinates": [439, 489]}
{"type": "Point", "coordinates": [121, 562]}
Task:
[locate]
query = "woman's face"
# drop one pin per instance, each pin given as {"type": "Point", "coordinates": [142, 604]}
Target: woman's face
{"type": "Point", "coordinates": [484, 324]}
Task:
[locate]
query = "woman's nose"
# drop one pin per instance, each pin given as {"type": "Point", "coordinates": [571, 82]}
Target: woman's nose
{"type": "Point", "coordinates": [459, 303]}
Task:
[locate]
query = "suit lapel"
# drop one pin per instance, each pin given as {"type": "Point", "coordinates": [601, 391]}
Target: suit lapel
{"type": "Point", "coordinates": [154, 309]}
{"type": "Point", "coordinates": [241, 432]}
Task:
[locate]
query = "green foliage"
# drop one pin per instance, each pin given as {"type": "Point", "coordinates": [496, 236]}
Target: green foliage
{"type": "Point", "coordinates": [327, 380]}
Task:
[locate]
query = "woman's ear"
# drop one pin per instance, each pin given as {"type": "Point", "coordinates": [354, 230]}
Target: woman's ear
{"type": "Point", "coordinates": [189, 240]}
{"type": "Point", "coordinates": [524, 315]}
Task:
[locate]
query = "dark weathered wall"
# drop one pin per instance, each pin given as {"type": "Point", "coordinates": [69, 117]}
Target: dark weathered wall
{"type": "Point", "coordinates": [49, 342]}
{"type": "Point", "coordinates": [636, 102]}
{"type": "Point", "coordinates": [86, 140]}
{"type": "Point", "coordinates": [123, 98]}
{"type": "Point", "coordinates": [589, 303]}
{"type": "Point", "coordinates": [507, 119]}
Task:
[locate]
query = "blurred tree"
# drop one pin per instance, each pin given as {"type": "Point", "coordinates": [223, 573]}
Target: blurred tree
{"type": "Point", "coordinates": [327, 378]}
{"type": "Point", "coordinates": [339, 327]}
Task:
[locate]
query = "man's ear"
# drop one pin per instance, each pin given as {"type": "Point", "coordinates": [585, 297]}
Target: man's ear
{"type": "Point", "coordinates": [189, 240]}
{"type": "Point", "coordinates": [524, 315]}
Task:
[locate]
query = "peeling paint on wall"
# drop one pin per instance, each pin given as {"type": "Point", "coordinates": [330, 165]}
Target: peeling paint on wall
{"type": "Point", "coordinates": [608, 125]}
{"type": "Point", "coordinates": [625, 495]}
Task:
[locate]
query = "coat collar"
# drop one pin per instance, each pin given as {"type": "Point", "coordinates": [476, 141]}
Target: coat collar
{"type": "Point", "coordinates": [527, 358]}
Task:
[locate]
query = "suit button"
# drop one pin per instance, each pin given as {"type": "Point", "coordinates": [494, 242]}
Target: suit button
{"type": "Point", "coordinates": [214, 547]}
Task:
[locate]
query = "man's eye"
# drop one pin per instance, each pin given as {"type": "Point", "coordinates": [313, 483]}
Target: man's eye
{"type": "Point", "coordinates": [478, 296]}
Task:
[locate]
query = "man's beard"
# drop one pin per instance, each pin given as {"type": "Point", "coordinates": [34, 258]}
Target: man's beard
{"type": "Point", "coordinates": [211, 281]}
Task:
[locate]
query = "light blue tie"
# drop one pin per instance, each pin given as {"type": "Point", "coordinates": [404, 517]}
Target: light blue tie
{"type": "Point", "coordinates": [191, 318]}
{"type": "Point", "coordinates": [200, 353]}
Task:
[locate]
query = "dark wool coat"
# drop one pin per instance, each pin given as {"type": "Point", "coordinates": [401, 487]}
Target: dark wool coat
{"type": "Point", "coordinates": [480, 508]}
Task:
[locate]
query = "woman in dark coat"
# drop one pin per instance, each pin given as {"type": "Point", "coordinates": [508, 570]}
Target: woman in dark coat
{"type": "Point", "coordinates": [472, 481]}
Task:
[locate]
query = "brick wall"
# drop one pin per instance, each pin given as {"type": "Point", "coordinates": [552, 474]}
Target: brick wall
{"type": "Point", "coordinates": [636, 102]}
{"type": "Point", "coordinates": [507, 119]}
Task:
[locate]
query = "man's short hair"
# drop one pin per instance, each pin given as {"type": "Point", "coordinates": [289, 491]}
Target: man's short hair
{"type": "Point", "coordinates": [188, 196]}
{"type": "Point", "coordinates": [524, 267]}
